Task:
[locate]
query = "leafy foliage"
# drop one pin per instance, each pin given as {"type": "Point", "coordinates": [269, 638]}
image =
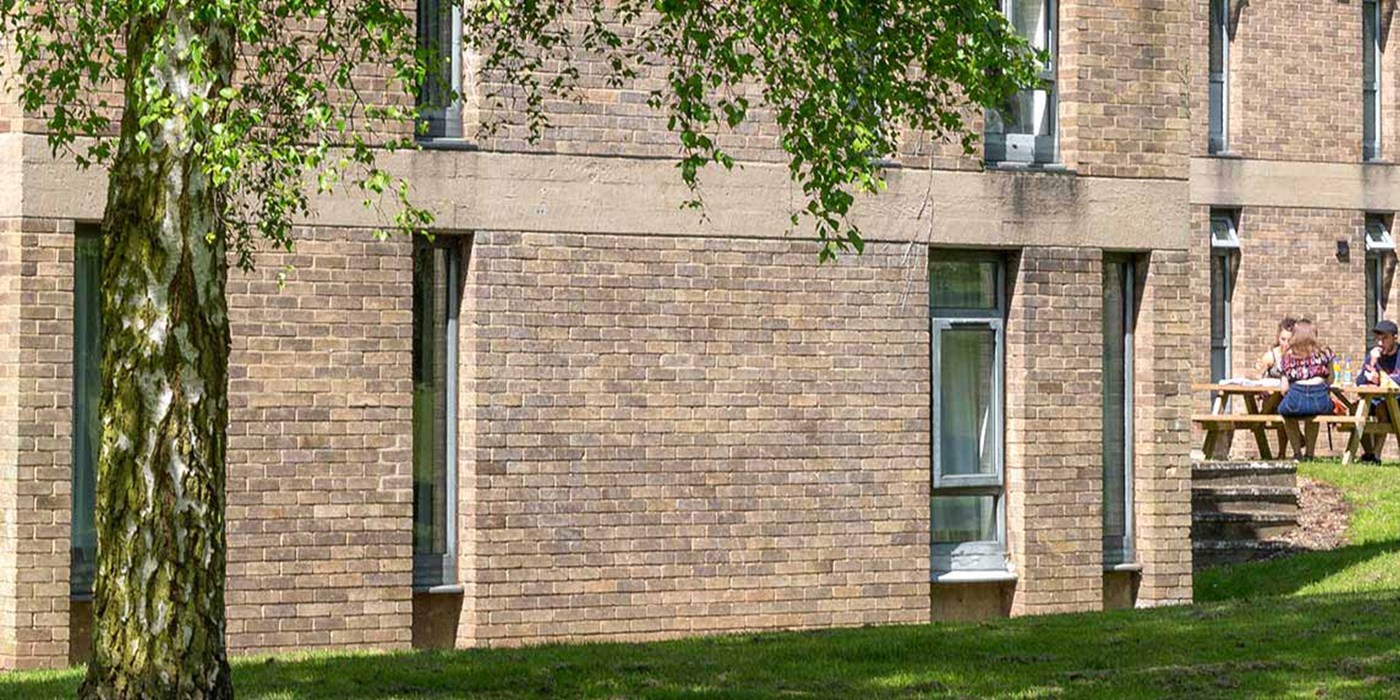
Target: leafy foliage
{"type": "Point", "coordinates": [321, 86]}
{"type": "Point", "coordinates": [324, 85]}
{"type": "Point", "coordinates": [840, 77]}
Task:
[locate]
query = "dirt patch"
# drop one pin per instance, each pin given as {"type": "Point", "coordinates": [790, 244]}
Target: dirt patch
{"type": "Point", "coordinates": [1322, 518]}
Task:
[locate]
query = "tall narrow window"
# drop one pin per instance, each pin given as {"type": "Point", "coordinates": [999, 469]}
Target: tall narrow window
{"type": "Point", "coordinates": [1224, 261]}
{"type": "Point", "coordinates": [1380, 259]}
{"type": "Point", "coordinates": [1371, 78]}
{"type": "Point", "coordinates": [1023, 130]}
{"type": "Point", "coordinates": [1119, 319]}
{"type": "Point", "coordinates": [1219, 75]}
{"type": "Point", "coordinates": [439, 99]}
{"type": "Point", "coordinates": [436, 276]}
{"type": "Point", "coordinates": [967, 308]}
{"type": "Point", "coordinates": [87, 394]}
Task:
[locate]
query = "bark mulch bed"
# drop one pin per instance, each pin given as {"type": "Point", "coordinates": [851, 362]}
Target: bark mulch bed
{"type": "Point", "coordinates": [1322, 518]}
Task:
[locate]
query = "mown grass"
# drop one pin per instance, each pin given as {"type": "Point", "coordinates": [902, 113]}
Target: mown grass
{"type": "Point", "coordinates": [1318, 625]}
{"type": "Point", "coordinates": [1340, 646]}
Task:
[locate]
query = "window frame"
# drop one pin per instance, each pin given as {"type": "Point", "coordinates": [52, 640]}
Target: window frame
{"type": "Point", "coordinates": [1031, 149]}
{"type": "Point", "coordinates": [1380, 252]}
{"type": "Point", "coordinates": [1226, 254]}
{"type": "Point", "coordinates": [985, 556]}
{"type": "Point", "coordinates": [84, 457]}
{"type": "Point", "coordinates": [1371, 91]}
{"type": "Point", "coordinates": [1218, 97]}
{"type": "Point", "coordinates": [1121, 551]}
{"type": "Point", "coordinates": [441, 121]}
{"type": "Point", "coordinates": [430, 569]}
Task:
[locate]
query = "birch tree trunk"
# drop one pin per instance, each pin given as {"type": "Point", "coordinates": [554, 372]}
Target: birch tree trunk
{"type": "Point", "coordinates": [159, 601]}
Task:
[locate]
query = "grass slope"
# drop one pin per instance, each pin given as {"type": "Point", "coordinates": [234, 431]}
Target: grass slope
{"type": "Point", "coordinates": [1318, 625]}
{"type": "Point", "coordinates": [1370, 561]}
{"type": "Point", "coordinates": [1340, 646]}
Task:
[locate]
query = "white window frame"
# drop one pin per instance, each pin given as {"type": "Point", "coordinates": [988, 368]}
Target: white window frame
{"type": "Point", "coordinates": [1224, 251]}
{"type": "Point", "coordinates": [949, 559]}
{"type": "Point", "coordinates": [1031, 148]}
{"type": "Point", "coordinates": [1371, 90]}
{"type": "Point", "coordinates": [1121, 551]}
{"type": "Point", "coordinates": [433, 570]}
{"type": "Point", "coordinates": [1219, 95]}
{"type": "Point", "coordinates": [1380, 251]}
{"type": "Point", "coordinates": [441, 114]}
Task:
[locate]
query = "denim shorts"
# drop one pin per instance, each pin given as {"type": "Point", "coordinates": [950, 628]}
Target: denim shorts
{"type": "Point", "coordinates": [1306, 401]}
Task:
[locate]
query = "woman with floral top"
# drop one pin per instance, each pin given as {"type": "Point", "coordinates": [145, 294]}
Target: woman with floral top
{"type": "Point", "coordinates": [1306, 370]}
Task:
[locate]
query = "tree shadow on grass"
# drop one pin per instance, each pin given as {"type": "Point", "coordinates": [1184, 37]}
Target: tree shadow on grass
{"type": "Point", "coordinates": [1290, 574]}
{"type": "Point", "coordinates": [1344, 645]}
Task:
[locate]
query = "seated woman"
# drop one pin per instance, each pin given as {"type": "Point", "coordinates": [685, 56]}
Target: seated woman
{"type": "Point", "coordinates": [1307, 373]}
{"type": "Point", "coordinates": [1268, 364]}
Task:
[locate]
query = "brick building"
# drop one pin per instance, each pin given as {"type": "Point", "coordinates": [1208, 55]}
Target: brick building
{"type": "Point", "coordinates": [582, 413]}
{"type": "Point", "coordinates": [1292, 197]}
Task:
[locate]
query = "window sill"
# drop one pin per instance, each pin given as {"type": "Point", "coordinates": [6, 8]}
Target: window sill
{"type": "Point", "coordinates": [447, 143]}
{"type": "Point", "coordinates": [1377, 161]}
{"type": "Point", "coordinates": [446, 589]}
{"type": "Point", "coordinates": [1016, 167]}
{"type": "Point", "coordinates": [1119, 568]}
{"type": "Point", "coordinates": [975, 577]}
{"type": "Point", "coordinates": [81, 597]}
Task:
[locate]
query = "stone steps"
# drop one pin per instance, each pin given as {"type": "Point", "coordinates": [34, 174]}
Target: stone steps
{"type": "Point", "coordinates": [1240, 511]}
{"type": "Point", "coordinates": [1208, 553]}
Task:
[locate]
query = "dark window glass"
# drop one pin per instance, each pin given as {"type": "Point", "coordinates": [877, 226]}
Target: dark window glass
{"type": "Point", "coordinates": [436, 270]}
{"type": "Point", "coordinates": [87, 397]}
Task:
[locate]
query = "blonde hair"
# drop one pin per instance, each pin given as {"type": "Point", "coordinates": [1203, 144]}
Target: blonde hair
{"type": "Point", "coordinates": [1304, 341]}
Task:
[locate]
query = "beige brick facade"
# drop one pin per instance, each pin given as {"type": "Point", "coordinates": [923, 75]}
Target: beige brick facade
{"type": "Point", "coordinates": [670, 427]}
{"type": "Point", "coordinates": [1293, 177]}
{"type": "Point", "coordinates": [1054, 430]}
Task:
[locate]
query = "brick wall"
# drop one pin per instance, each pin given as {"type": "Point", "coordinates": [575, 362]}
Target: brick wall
{"type": "Point", "coordinates": [42, 477]}
{"type": "Point", "coordinates": [1167, 334]}
{"type": "Point", "coordinates": [10, 294]}
{"type": "Point", "coordinates": [1123, 103]}
{"type": "Point", "coordinates": [1295, 81]}
{"type": "Point", "coordinates": [1123, 106]}
{"type": "Point", "coordinates": [681, 436]}
{"type": "Point", "coordinates": [320, 476]}
{"type": "Point", "coordinates": [1288, 266]}
{"type": "Point", "coordinates": [1054, 430]}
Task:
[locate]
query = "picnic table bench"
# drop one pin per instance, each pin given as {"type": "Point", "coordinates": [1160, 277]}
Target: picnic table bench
{"type": "Point", "coordinates": [1261, 417]}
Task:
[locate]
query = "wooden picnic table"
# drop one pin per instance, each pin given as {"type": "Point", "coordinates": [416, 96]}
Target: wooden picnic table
{"type": "Point", "coordinates": [1261, 415]}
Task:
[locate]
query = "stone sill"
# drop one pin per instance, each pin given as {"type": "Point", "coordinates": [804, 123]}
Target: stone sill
{"type": "Point", "coordinates": [1006, 166]}
{"type": "Point", "coordinates": [1115, 568]}
{"type": "Point", "coordinates": [975, 577]}
{"type": "Point", "coordinates": [445, 143]}
{"type": "Point", "coordinates": [450, 589]}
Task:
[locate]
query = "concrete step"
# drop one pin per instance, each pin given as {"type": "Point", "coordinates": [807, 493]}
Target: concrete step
{"type": "Point", "coordinates": [1244, 499]}
{"type": "Point", "coordinates": [1241, 526]}
{"type": "Point", "coordinates": [1226, 474]}
{"type": "Point", "coordinates": [1215, 552]}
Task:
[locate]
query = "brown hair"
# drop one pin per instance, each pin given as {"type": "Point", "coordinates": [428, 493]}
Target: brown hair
{"type": "Point", "coordinates": [1287, 324]}
{"type": "Point", "coordinates": [1304, 341]}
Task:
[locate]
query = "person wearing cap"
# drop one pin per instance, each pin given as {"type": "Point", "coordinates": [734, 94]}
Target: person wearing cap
{"type": "Point", "coordinates": [1383, 356]}
{"type": "Point", "coordinates": [1382, 360]}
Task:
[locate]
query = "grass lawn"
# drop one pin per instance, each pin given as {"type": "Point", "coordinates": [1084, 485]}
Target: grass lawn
{"type": "Point", "coordinates": [1318, 625]}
